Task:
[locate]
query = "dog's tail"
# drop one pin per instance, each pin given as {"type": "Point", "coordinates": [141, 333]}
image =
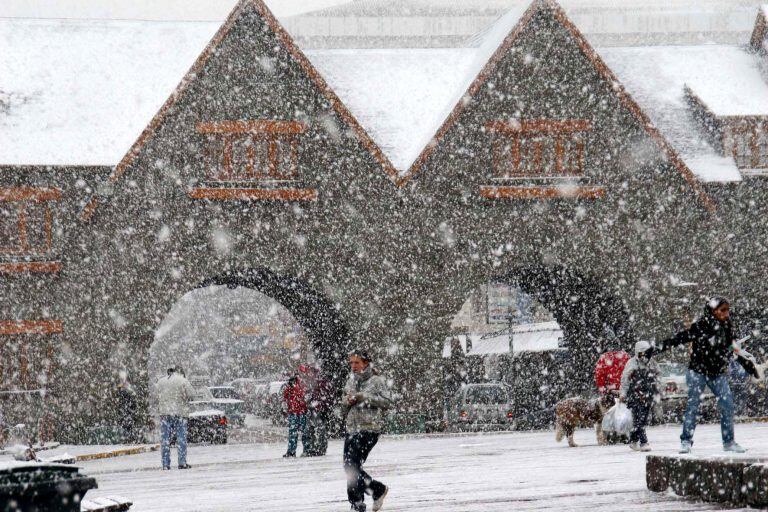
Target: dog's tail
{"type": "Point", "coordinates": [559, 431]}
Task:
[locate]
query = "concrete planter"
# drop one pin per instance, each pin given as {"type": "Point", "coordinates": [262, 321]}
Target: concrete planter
{"type": "Point", "coordinates": [733, 481]}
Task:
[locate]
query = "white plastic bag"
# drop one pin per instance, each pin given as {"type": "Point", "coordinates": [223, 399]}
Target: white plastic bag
{"type": "Point", "coordinates": [618, 419]}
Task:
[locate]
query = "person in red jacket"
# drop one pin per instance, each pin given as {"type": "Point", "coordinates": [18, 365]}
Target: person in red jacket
{"type": "Point", "coordinates": [295, 397]}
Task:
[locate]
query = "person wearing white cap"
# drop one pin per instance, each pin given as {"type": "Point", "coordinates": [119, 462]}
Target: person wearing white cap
{"type": "Point", "coordinates": [639, 390]}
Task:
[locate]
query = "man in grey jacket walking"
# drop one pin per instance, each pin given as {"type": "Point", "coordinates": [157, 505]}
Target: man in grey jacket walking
{"type": "Point", "coordinates": [365, 401]}
{"type": "Point", "coordinates": [174, 392]}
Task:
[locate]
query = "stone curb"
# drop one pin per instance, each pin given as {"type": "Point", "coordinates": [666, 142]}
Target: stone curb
{"type": "Point", "coordinates": [118, 453]}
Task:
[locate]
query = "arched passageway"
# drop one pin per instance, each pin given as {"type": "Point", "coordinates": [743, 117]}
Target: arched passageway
{"type": "Point", "coordinates": [538, 329]}
{"type": "Point", "coordinates": [593, 320]}
{"type": "Point", "coordinates": [318, 317]}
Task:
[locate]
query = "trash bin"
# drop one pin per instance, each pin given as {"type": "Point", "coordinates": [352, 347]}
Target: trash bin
{"type": "Point", "coordinates": [36, 487]}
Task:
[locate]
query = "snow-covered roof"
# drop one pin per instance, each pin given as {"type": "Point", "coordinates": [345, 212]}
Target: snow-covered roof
{"type": "Point", "coordinates": [536, 337]}
{"type": "Point", "coordinates": [81, 92]}
{"type": "Point", "coordinates": [400, 116]}
{"type": "Point", "coordinates": [525, 338]}
{"type": "Point", "coordinates": [733, 86]}
{"type": "Point", "coordinates": [656, 77]}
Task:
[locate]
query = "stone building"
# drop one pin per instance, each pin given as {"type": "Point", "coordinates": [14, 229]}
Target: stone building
{"type": "Point", "coordinates": [367, 191]}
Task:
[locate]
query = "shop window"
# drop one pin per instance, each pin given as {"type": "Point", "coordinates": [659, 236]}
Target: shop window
{"type": "Point", "coordinates": [262, 151]}
{"type": "Point", "coordinates": [538, 148]}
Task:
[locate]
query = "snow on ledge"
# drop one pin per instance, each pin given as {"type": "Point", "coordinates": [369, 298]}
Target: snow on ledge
{"type": "Point", "coordinates": [711, 168]}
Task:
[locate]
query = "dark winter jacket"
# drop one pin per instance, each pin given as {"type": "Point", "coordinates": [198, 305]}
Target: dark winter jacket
{"type": "Point", "coordinates": [712, 345]}
{"type": "Point", "coordinates": [639, 382]}
{"type": "Point", "coordinates": [295, 398]}
{"type": "Point", "coordinates": [322, 396]}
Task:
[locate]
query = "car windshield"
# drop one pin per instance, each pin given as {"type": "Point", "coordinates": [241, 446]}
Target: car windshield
{"type": "Point", "coordinates": [203, 394]}
{"type": "Point", "coordinates": [671, 369]}
{"type": "Point", "coordinates": [201, 406]}
{"type": "Point", "coordinates": [486, 395]}
{"type": "Point", "coordinates": [224, 393]}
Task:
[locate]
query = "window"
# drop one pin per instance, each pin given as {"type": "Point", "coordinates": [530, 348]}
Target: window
{"type": "Point", "coordinates": [486, 395]}
{"type": "Point", "coordinates": [26, 363]}
{"type": "Point", "coordinates": [26, 221]}
{"type": "Point", "coordinates": [747, 141]}
{"type": "Point", "coordinates": [538, 148]}
{"type": "Point", "coordinates": [252, 151]}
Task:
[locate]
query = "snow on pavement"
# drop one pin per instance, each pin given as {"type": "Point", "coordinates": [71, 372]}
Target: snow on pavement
{"type": "Point", "coordinates": [469, 473]}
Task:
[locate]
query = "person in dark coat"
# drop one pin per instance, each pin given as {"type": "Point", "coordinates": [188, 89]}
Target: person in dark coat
{"type": "Point", "coordinates": [712, 347]}
{"type": "Point", "coordinates": [127, 406]}
{"type": "Point", "coordinates": [639, 390]}
{"type": "Point", "coordinates": [320, 402]}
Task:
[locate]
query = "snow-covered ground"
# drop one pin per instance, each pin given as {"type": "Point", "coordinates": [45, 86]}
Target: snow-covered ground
{"type": "Point", "coordinates": [470, 473]}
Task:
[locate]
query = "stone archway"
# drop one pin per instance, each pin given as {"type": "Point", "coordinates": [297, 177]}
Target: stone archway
{"type": "Point", "coordinates": [317, 315]}
{"type": "Point", "coordinates": [592, 318]}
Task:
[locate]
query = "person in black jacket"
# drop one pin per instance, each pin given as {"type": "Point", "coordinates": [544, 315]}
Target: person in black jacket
{"type": "Point", "coordinates": [712, 340]}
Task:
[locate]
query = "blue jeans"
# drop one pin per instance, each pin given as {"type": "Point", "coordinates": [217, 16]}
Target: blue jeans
{"type": "Point", "coordinates": [297, 423]}
{"type": "Point", "coordinates": [722, 391]}
{"type": "Point", "coordinates": [173, 425]}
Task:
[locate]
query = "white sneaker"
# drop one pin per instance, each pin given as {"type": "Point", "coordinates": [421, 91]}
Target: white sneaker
{"type": "Point", "coordinates": [645, 447]}
{"type": "Point", "coordinates": [634, 446]}
{"type": "Point", "coordinates": [379, 502]}
{"type": "Point", "coordinates": [734, 447]}
{"type": "Point", "coordinates": [685, 447]}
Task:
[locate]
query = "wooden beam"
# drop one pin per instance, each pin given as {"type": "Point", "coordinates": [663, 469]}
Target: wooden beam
{"type": "Point", "coordinates": [15, 327]}
{"type": "Point", "coordinates": [544, 126]}
{"type": "Point", "coordinates": [541, 192]}
{"type": "Point", "coordinates": [31, 267]}
{"type": "Point", "coordinates": [254, 194]}
{"type": "Point", "coordinates": [270, 126]}
{"type": "Point", "coordinates": [9, 194]}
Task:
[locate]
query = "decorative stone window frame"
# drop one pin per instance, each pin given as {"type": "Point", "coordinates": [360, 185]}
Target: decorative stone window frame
{"type": "Point", "coordinates": [18, 332]}
{"type": "Point", "coordinates": [271, 170]}
{"type": "Point", "coordinates": [22, 199]}
{"type": "Point", "coordinates": [746, 139]}
{"type": "Point", "coordinates": [557, 175]}
{"type": "Point", "coordinates": [514, 140]}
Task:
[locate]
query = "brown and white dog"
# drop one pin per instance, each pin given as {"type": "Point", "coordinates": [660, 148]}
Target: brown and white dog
{"type": "Point", "coordinates": [573, 413]}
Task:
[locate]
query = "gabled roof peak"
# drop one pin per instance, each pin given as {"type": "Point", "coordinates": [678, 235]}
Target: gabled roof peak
{"type": "Point", "coordinates": [287, 42]}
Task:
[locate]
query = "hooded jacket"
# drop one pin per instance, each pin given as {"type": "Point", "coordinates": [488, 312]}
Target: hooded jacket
{"type": "Point", "coordinates": [711, 344]}
{"type": "Point", "coordinates": [639, 381]}
{"type": "Point", "coordinates": [373, 399]}
{"type": "Point", "coordinates": [174, 393]}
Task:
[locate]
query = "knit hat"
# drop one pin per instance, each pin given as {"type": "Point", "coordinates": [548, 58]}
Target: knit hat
{"type": "Point", "coordinates": [715, 302]}
{"type": "Point", "coordinates": [362, 354]}
{"type": "Point", "coordinates": [641, 346]}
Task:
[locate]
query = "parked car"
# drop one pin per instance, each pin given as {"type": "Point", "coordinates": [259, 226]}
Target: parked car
{"type": "Point", "coordinates": [249, 390]}
{"type": "Point", "coordinates": [673, 391]}
{"type": "Point", "coordinates": [206, 424]}
{"type": "Point", "coordinates": [481, 407]}
{"type": "Point", "coordinates": [274, 407]}
{"type": "Point", "coordinates": [228, 400]}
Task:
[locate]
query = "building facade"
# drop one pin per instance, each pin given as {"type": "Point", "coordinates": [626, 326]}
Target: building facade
{"type": "Point", "coordinates": [545, 173]}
